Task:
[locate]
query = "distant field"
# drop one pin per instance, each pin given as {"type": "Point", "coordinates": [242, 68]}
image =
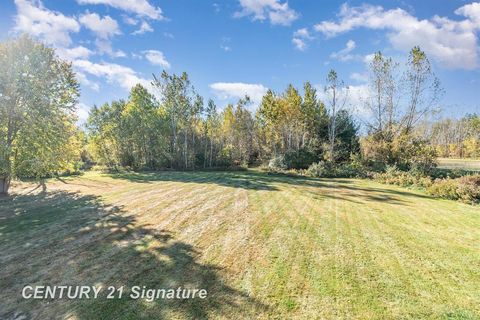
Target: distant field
{"type": "Point", "coordinates": [465, 164]}
{"type": "Point", "coordinates": [264, 246]}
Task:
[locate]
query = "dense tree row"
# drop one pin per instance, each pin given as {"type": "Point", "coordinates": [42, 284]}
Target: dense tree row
{"type": "Point", "coordinates": [173, 127]}
{"type": "Point", "coordinates": [179, 131]}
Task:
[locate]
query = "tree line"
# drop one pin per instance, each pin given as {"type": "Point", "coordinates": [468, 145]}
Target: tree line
{"type": "Point", "coordinates": [173, 127]}
{"type": "Point", "coordinates": [180, 131]}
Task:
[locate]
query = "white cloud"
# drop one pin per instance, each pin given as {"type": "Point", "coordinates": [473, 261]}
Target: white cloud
{"type": "Point", "coordinates": [228, 90]}
{"type": "Point", "coordinates": [105, 46]}
{"type": "Point", "coordinates": [302, 33]}
{"type": "Point", "coordinates": [368, 58]}
{"type": "Point", "coordinates": [104, 28]}
{"type": "Point", "coordinates": [82, 112]}
{"type": "Point", "coordinates": [79, 52]}
{"type": "Point", "coordinates": [225, 48]}
{"type": "Point", "coordinates": [156, 57]}
{"type": "Point", "coordinates": [452, 43]}
{"type": "Point", "coordinates": [300, 38]}
{"type": "Point", "coordinates": [136, 56]}
{"type": "Point", "coordinates": [144, 27]}
{"type": "Point", "coordinates": [360, 77]}
{"type": "Point", "coordinates": [472, 12]}
{"type": "Point", "coordinates": [129, 20]}
{"type": "Point", "coordinates": [141, 8]}
{"type": "Point", "coordinates": [299, 44]}
{"type": "Point", "coordinates": [355, 98]}
{"type": "Point", "coordinates": [345, 53]}
{"type": "Point", "coordinates": [82, 78]}
{"type": "Point", "coordinates": [50, 26]}
{"type": "Point", "coordinates": [225, 44]}
{"type": "Point", "coordinates": [119, 54]}
{"type": "Point", "coordinates": [123, 76]}
{"type": "Point", "coordinates": [277, 12]}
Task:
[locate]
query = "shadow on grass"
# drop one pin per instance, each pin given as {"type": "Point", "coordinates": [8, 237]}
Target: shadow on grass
{"type": "Point", "coordinates": [236, 179]}
{"type": "Point", "coordinates": [257, 180]}
{"type": "Point", "coordinates": [62, 238]}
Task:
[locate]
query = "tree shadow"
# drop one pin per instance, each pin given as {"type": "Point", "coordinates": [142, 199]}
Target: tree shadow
{"type": "Point", "coordinates": [236, 179]}
{"type": "Point", "coordinates": [257, 180]}
{"type": "Point", "coordinates": [250, 179]}
{"type": "Point", "coordinates": [66, 238]}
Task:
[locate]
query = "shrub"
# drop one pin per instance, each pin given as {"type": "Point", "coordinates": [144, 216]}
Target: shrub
{"type": "Point", "coordinates": [321, 169]}
{"type": "Point", "coordinates": [469, 188]}
{"type": "Point", "coordinates": [347, 170]}
{"type": "Point", "coordinates": [393, 175]}
{"type": "Point", "coordinates": [325, 169]}
{"type": "Point", "coordinates": [406, 151]}
{"type": "Point", "coordinates": [444, 188]}
{"type": "Point", "coordinates": [300, 159]}
{"type": "Point", "coordinates": [465, 188]}
{"type": "Point", "coordinates": [277, 163]}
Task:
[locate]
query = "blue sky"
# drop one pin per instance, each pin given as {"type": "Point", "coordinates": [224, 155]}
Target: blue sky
{"type": "Point", "coordinates": [234, 47]}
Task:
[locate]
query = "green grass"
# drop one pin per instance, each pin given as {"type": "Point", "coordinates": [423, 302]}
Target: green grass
{"type": "Point", "coordinates": [461, 164]}
{"type": "Point", "coordinates": [264, 246]}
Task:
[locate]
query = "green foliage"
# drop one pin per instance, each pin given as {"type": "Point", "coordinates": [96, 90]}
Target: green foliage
{"type": "Point", "coordinates": [393, 175]}
{"type": "Point", "coordinates": [38, 95]}
{"type": "Point", "coordinates": [465, 188]}
{"type": "Point", "coordinates": [444, 188]}
{"type": "Point", "coordinates": [277, 164]}
{"type": "Point", "coordinates": [300, 159]}
{"type": "Point", "coordinates": [289, 123]}
{"type": "Point", "coordinates": [143, 133]}
{"type": "Point", "coordinates": [128, 134]}
{"type": "Point", "coordinates": [415, 154]}
{"type": "Point", "coordinates": [327, 169]}
{"type": "Point", "coordinates": [346, 140]}
{"type": "Point", "coordinates": [178, 132]}
{"type": "Point", "coordinates": [406, 151]}
{"type": "Point", "coordinates": [320, 169]}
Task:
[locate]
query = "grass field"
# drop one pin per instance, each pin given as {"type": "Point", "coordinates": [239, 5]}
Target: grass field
{"type": "Point", "coordinates": [264, 246]}
{"type": "Point", "coordinates": [463, 164]}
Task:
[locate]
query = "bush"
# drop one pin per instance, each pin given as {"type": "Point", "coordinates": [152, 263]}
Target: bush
{"type": "Point", "coordinates": [325, 169]}
{"type": "Point", "coordinates": [277, 164]}
{"type": "Point", "coordinates": [300, 159]}
{"type": "Point", "coordinates": [444, 188]}
{"type": "Point", "coordinates": [347, 170]}
{"type": "Point", "coordinates": [406, 151]}
{"type": "Point", "coordinates": [393, 175]}
{"type": "Point", "coordinates": [320, 170]}
{"type": "Point", "coordinates": [465, 188]}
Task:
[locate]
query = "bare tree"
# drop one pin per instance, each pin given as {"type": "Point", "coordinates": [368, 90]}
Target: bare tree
{"type": "Point", "coordinates": [337, 96]}
{"type": "Point", "coordinates": [423, 89]}
{"type": "Point", "coordinates": [384, 95]}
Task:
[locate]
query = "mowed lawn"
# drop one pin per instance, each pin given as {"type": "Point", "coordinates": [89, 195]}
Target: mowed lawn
{"type": "Point", "coordinates": [264, 246]}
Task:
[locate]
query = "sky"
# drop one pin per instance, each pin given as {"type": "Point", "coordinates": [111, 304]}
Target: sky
{"type": "Point", "coordinates": [236, 47]}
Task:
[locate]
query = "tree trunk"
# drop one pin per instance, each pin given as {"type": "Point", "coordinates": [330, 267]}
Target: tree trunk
{"type": "Point", "coordinates": [4, 185]}
{"type": "Point", "coordinates": [185, 152]}
{"type": "Point", "coordinates": [211, 151]}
